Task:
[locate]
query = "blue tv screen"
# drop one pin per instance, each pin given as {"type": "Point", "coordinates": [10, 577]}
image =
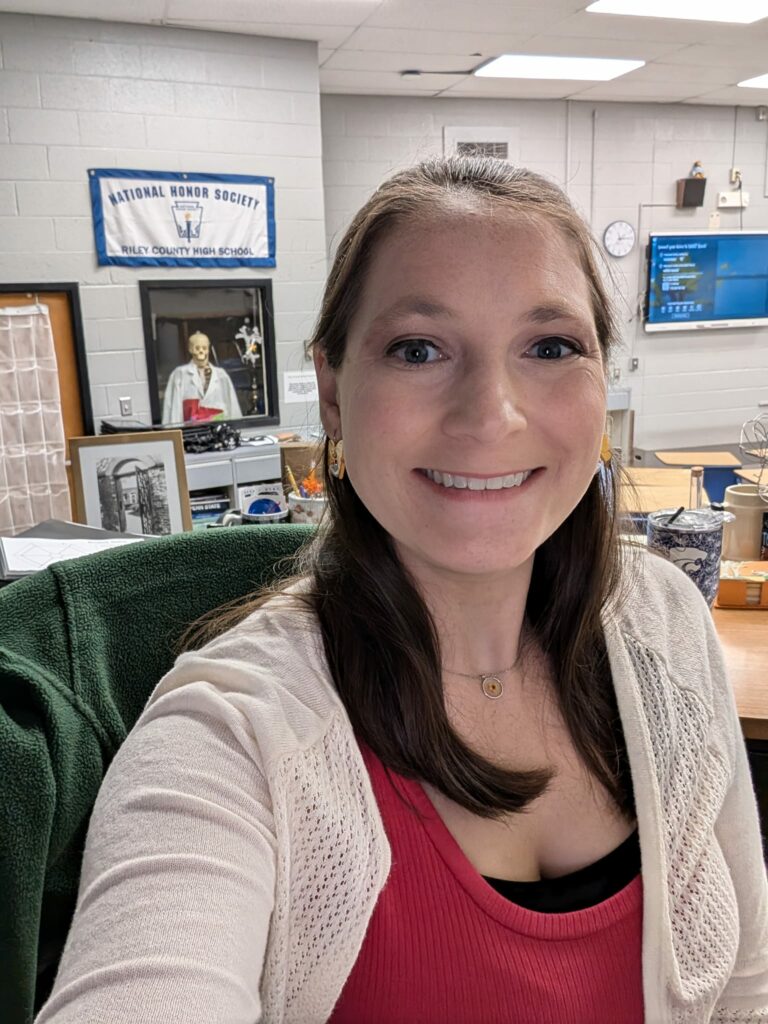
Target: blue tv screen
{"type": "Point", "coordinates": [707, 279]}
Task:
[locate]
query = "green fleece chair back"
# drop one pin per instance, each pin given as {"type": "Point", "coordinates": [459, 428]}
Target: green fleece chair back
{"type": "Point", "coordinates": [82, 645]}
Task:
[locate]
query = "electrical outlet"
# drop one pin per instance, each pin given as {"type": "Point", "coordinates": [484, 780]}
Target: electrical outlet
{"type": "Point", "coordinates": [714, 220]}
{"type": "Point", "coordinates": [634, 364]}
{"type": "Point", "coordinates": [735, 175]}
{"type": "Point", "coordinates": [126, 406]}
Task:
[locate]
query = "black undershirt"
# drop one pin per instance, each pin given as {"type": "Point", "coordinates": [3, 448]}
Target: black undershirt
{"type": "Point", "coordinates": [579, 889]}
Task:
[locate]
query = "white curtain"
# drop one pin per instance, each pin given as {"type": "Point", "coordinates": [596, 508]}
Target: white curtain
{"type": "Point", "coordinates": [33, 479]}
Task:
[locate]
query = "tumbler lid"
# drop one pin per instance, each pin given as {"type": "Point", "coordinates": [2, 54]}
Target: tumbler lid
{"type": "Point", "coordinates": [692, 520]}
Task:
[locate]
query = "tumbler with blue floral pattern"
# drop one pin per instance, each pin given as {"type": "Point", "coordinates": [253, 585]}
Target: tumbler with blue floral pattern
{"type": "Point", "coordinates": [692, 540]}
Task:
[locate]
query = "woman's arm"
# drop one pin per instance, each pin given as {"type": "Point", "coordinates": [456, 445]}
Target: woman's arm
{"type": "Point", "coordinates": [745, 997]}
{"type": "Point", "coordinates": [178, 877]}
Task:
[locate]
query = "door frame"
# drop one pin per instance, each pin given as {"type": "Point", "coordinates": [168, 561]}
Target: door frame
{"type": "Point", "coordinates": [72, 291]}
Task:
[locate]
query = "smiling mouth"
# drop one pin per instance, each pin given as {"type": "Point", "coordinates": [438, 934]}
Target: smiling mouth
{"type": "Point", "coordinates": [477, 483]}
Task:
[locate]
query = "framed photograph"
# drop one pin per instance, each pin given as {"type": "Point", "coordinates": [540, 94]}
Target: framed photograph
{"type": "Point", "coordinates": [210, 351]}
{"type": "Point", "coordinates": [131, 483]}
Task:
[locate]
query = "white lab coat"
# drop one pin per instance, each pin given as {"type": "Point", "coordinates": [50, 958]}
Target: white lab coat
{"type": "Point", "coordinates": [185, 382]}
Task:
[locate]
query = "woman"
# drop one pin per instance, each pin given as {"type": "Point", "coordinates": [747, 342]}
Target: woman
{"type": "Point", "coordinates": [421, 784]}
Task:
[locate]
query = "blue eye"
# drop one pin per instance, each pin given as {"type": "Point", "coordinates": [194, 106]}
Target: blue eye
{"type": "Point", "coordinates": [555, 348]}
{"type": "Point", "coordinates": [415, 351]}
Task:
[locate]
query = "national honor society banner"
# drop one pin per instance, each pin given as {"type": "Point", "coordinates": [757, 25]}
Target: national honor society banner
{"type": "Point", "coordinates": [164, 218]}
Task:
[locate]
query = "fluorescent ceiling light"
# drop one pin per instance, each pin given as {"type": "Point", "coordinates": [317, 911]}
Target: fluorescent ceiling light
{"type": "Point", "coordinates": [761, 82]}
{"type": "Point", "coordinates": [588, 69]}
{"type": "Point", "coordinates": [742, 12]}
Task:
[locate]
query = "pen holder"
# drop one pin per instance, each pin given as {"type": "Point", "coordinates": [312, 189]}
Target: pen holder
{"type": "Point", "coordinates": [306, 510]}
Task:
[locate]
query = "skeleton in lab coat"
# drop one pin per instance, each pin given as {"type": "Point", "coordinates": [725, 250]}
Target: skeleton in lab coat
{"type": "Point", "coordinates": [198, 391]}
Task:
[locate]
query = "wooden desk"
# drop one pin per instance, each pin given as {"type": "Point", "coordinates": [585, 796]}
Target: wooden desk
{"type": "Point", "coordinates": [750, 476]}
{"type": "Point", "coordinates": [744, 636]}
{"type": "Point", "coordinates": [706, 459]}
{"type": "Point", "coordinates": [657, 488]}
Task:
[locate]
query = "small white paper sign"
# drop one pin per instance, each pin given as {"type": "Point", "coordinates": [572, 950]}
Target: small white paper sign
{"type": "Point", "coordinates": [300, 386]}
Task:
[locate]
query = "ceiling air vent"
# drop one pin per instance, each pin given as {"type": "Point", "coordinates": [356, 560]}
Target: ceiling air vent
{"type": "Point", "coordinates": [482, 140]}
{"type": "Point", "coordinates": [499, 150]}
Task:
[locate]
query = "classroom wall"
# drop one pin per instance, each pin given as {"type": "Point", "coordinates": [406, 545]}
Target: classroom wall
{"type": "Point", "coordinates": [617, 161]}
{"type": "Point", "coordinates": [77, 94]}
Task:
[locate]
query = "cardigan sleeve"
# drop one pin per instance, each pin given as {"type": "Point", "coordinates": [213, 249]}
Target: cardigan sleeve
{"type": "Point", "coordinates": [745, 997]}
{"type": "Point", "coordinates": [177, 887]}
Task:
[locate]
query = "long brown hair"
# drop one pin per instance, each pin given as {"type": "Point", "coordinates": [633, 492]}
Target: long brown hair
{"type": "Point", "coordinates": [380, 641]}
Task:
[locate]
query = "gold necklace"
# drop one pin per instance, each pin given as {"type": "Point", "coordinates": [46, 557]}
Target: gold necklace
{"type": "Point", "coordinates": [490, 683]}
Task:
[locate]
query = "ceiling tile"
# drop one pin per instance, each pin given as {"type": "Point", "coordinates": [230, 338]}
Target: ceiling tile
{"type": "Point", "coordinates": [608, 26]}
{"type": "Point", "coordinates": [397, 40]}
{"type": "Point", "coordinates": [140, 11]}
{"type": "Point", "coordinates": [269, 12]}
{"type": "Point", "coordinates": [329, 37]}
{"type": "Point", "coordinates": [483, 16]}
{"type": "Point", "coordinates": [575, 46]}
{"type": "Point", "coordinates": [710, 77]}
{"type": "Point", "coordinates": [734, 95]}
{"type": "Point", "coordinates": [386, 81]}
{"type": "Point", "coordinates": [749, 53]}
{"type": "Point", "coordinates": [626, 90]}
{"type": "Point", "coordinates": [513, 88]}
{"type": "Point", "coordinates": [346, 59]}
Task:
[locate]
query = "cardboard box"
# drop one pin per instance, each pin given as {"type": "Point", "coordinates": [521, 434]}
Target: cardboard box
{"type": "Point", "coordinates": [743, 585]}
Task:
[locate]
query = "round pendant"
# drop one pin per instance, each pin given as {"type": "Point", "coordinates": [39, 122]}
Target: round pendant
{"type": "Point", "coordinates": [492, 687]}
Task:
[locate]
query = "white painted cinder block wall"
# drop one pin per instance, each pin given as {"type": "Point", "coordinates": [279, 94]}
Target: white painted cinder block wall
{"type": "Point", "coordinates": [78, 94]}
{"type": "Point", "coordinates": [616, 161]}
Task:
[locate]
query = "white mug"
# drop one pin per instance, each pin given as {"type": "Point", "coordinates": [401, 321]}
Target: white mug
{"type": "Point", "coordinates": [741, 538]}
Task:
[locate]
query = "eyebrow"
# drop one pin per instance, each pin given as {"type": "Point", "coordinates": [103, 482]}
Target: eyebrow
{"type": "Point", "coordinates": [550, 311]}
{"type": "Point", "coordinates": [542, 314]}
{"type": "Point", "coordinates": [411, 305]}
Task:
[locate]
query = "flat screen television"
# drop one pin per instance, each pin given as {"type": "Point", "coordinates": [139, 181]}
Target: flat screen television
{"type": "Point", "coordinates": [707, 279]}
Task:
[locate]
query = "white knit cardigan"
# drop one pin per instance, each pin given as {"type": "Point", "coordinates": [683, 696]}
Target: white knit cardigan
{"type": "Point", "coordinates": [236, 850]}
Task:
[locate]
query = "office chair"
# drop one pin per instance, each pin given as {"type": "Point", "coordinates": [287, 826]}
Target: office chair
{"type": "Point", "coordinates": [82, 645]}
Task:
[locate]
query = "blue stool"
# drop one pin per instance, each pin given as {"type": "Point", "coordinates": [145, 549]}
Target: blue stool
{"type": "Point", "coordinates": [716, 479]}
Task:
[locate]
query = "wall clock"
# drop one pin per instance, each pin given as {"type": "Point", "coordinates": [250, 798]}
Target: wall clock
{"type": "Point", "coordinates": [619, 238]}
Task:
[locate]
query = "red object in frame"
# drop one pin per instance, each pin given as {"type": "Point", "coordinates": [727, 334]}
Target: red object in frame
{"type": "Point", "coordinates": [194, 412]}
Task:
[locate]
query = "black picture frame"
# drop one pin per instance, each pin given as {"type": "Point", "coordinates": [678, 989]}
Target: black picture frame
{"type": "Point", "coordinates": [72, 292]}
{"type": "Point", "coordinates": [172, 311]}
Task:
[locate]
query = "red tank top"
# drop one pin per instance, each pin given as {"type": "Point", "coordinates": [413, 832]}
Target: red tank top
{"type": "Point", "coordinates": [443, 947]}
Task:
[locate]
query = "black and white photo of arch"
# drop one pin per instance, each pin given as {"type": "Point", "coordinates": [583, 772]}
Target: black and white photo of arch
{"type": "Point", "coordinates": [132, 483]}
{"type": "Point", "coordinates": [133, 495]}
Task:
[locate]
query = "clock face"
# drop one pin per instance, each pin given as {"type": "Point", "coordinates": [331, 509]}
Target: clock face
{"type": "Point", "coordinates": [619, 238]}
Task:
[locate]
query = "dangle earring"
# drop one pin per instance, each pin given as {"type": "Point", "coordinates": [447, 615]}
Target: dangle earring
{"type": "Point", "coordinates": [337, 465]}
{"type": "Point", "coordinates": [605, 453]}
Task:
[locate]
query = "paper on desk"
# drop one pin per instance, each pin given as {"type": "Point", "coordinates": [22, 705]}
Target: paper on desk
{"type": "Point", "coordinates": [20, 556]}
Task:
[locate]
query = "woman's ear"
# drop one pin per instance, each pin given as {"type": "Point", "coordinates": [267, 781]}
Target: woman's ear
{"type": "Point", "coordinates": [330, 414]}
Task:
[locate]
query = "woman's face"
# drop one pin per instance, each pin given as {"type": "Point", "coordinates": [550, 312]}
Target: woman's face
{"type": "Point", "coordinates": [473, 362]}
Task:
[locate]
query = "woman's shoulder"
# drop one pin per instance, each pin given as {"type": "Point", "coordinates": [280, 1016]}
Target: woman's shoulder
{"type": "Point", "coordinates": [667, 631]}
{"type": "Point", "coordinates": [269, 670]}
{"type": "Point", "coordinates": [658, 601]}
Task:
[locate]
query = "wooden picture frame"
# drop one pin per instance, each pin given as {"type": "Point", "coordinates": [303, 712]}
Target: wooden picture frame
{"type": "Point", "coordinates": [132, 483]}
{"type": "Point", "coordinates": [236, 317]}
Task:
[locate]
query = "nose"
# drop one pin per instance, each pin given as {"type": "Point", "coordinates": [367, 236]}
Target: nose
{"type": "Point", "coordinates": [487, 405]}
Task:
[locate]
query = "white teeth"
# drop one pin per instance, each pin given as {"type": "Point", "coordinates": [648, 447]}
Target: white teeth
{"type": "Point", "coordinates": [494, 483]}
